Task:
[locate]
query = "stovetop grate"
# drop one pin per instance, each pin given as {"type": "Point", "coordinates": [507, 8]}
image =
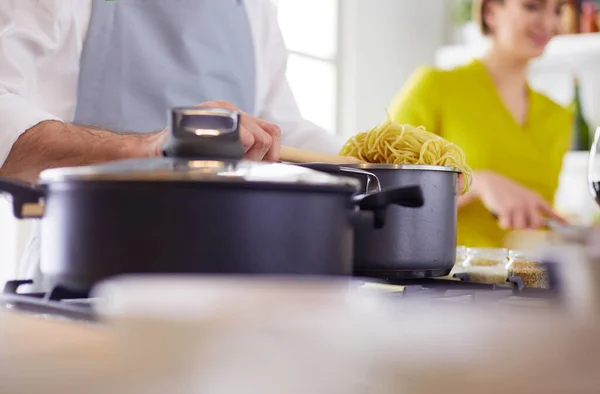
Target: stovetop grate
{"type": "Point", "coordinates": [438, 287]}
{"type": "Point", "coordinates": [73, 305]}
{"type": "Point", "coordinates": [58, 302]}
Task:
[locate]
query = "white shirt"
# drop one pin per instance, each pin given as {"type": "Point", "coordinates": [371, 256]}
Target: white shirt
{"type": "Point", "coordinates": [40, 48]}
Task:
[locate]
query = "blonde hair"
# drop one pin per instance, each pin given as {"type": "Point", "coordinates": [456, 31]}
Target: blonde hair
{"type": "Point", "coordinates": [479, 8]}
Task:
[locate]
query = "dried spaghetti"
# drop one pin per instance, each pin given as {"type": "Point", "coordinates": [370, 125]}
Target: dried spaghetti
{"type": "Point", "coordinates": [394, 143]}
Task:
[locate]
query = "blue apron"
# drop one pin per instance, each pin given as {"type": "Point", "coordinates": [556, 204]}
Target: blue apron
{"type": "Point", "coordinates": [143, 57]}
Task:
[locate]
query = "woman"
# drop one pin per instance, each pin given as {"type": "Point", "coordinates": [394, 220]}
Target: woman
{"type": "Point", "coordinates": [514, 138]}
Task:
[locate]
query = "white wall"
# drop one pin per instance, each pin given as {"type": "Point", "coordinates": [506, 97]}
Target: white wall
{"type": "Point", "coordinates": [382, 41]}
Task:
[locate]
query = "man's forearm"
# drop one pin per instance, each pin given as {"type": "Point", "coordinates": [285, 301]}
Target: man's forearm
{"type": "Point", "coordinates": [53, 144]}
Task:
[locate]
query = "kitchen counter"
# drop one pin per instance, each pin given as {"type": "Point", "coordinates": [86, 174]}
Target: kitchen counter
{"type": "Point", "coordinates": [38, 355]}
{"type": "Point", "coordinates": [171, 350]}
{"type": "Point", "coordinates": [23, 335]}
{"type": "Point", "coordinates": [41, 355]}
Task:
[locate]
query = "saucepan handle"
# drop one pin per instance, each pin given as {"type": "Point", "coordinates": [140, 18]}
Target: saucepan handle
{"type": "Point", "coordinates": [26, 198]}
{"type": "Point", "coordinates": [372, 182]}
{"type": "Point", "coordinates": [408, 196]}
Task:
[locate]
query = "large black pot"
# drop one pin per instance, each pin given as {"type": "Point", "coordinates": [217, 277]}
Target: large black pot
{"type": "Point", "coordinates": [189, 215]}
{"type": "Point", "coordinates": [201, 211]}
{"type": "Point", "coordinates": [177, 216]}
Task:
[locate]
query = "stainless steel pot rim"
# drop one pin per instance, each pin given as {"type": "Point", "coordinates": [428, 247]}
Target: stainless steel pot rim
{"type": "Point", "coordinates": [171, 169]}
{"type": "Point", "coordinates": [413, 167]}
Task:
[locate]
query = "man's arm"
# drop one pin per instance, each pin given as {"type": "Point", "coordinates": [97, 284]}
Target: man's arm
{"type": "Point", "coordinates": [52, 144]}
{"type": "Point", "coordinates": [32, 137]}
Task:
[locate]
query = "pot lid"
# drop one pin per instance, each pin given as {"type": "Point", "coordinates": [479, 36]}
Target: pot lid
{"type": "Point", "coordinates": [176, 169]}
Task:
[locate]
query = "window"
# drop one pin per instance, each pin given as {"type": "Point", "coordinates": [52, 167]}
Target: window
{"type": "Point", "coordinates": [310, 30]}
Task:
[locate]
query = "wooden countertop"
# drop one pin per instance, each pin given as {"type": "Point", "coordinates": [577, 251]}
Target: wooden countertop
{"type": "Point", "coordinates": [51, 356]}
{"type": "Point", "coordinates": [22, 335]}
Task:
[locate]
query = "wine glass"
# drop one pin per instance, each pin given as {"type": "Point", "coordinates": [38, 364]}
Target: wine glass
{"type": "Point", "coordinates": [594, 167]}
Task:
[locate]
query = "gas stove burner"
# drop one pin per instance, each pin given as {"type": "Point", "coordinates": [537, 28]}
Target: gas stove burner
{"type": "Point", "coordinates": [58, 302]}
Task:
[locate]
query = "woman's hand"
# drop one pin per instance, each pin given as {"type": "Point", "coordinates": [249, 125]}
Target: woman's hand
{"type": "Point", "coordinates": [516, 206]}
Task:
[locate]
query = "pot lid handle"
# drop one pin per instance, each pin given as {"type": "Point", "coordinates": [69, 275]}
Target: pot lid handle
{"type": "Point", "coordinates": [205, 134]}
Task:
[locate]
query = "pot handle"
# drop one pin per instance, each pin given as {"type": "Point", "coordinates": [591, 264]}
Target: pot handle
{"type": "Point", "coordinates": [26, 198]}
{"type": "Point", "coordinates": [408, 196]}
{"type": "Point", "coordinates": [372, 183]}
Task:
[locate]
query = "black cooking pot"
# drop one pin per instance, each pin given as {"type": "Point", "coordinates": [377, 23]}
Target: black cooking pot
{"type": "Point", "coordinates": [180, 215]}
{"type": "Point", "coordinates": [414, 243]}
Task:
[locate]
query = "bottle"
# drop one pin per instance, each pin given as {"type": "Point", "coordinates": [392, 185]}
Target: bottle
{"type": "Point", "coordinates": [582, 140]}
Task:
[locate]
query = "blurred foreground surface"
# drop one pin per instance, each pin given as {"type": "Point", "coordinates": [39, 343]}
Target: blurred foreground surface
{"type": "Point", "coordinates": [216, 335]}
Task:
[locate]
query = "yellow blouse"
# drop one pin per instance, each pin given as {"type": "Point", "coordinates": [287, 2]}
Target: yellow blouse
{"type": "Point", "coordinates": [463, 106]}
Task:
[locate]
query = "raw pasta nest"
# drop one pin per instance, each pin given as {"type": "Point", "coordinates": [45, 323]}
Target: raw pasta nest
{"type": "Point", "coordinates": [393, 143]}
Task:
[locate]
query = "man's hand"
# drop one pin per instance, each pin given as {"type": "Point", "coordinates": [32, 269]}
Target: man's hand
{"type": "Point", "coordinates": [52, 144]}
{"type": "Point", "coordinates": [261, 140]}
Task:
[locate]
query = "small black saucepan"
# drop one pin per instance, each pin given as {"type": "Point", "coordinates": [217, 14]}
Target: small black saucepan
{"type": "Point", "coordinates": [414, 243]}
